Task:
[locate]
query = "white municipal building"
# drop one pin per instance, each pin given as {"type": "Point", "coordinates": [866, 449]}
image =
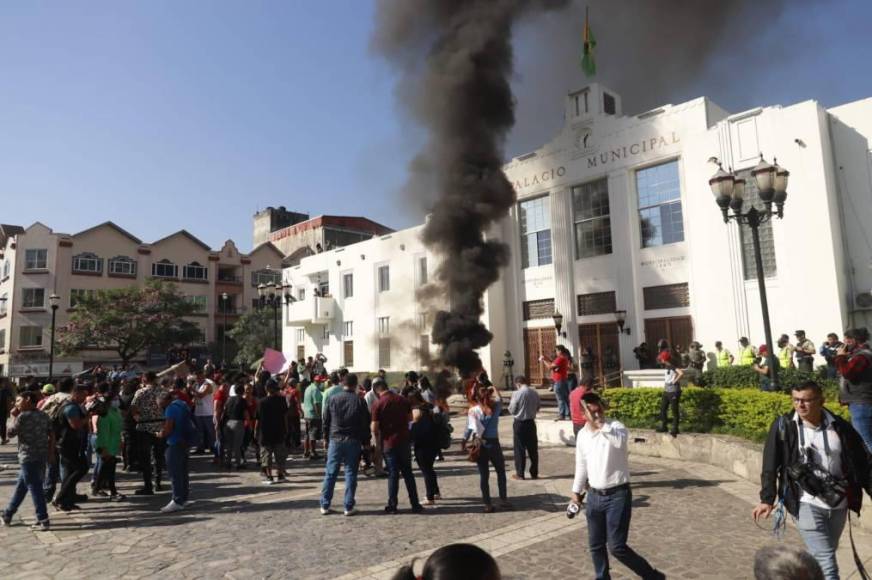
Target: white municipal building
{"type": "Point", "coordinates": [616, 214]}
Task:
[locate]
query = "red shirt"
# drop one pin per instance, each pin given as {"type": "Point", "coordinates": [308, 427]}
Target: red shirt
{"type": "Point", "coordinates": [292, 396]}
{"type": "Point", "coordinates": [560, 367]}
{"type": "Point", "coordinates": [575, 410]}
{"type": "Point", "coordinates": [852, 365]}
{"type": "Point", "coordinates": [393, 413]}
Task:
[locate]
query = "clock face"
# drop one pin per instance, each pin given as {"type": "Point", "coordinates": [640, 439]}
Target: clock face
{"type": "Point", "coordinates": [584, 140]}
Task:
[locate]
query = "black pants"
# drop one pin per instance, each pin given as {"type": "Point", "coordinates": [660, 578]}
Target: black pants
{"type": "Point", "coordinates": [491, 452]}
{"type": "Point", "coordinates": [150, 447]}
{"type": "Point", "coordinates": [4, 415]}
{"type": "Point", "coordinates": [128, 449]}
{"type": "Point", "coordinates": [669, 400]}
{"type": "Point", "coordinates": [425, 457]}
{"type": "Point", "coordinates": [106, 475]}
{"type": "Point", "coordinates": [75, 466]}
{"type": "Point", "coordinates": [526, 441]}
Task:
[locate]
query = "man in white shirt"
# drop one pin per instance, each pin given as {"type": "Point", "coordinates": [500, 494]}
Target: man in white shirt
{"type": "Point", "coordinates": [204, 389]}
{"type": "Point", "coordinates": [601, 467]}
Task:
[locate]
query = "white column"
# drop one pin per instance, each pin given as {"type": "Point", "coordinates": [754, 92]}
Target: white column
{"type": "Point", "coordinates": [563, 260]}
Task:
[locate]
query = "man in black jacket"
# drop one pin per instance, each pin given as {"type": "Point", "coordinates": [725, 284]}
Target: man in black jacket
{"type": "Point", "coordinates": [346, 428]}
{"type": "Point", "coordinates": [813, 445]}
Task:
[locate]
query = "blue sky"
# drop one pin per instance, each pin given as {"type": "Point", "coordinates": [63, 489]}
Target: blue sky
{"type": "Point", "coordinates": [163, 115]}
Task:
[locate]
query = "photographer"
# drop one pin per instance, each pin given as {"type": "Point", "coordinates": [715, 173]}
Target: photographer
{"type": "Point", "coordinates": [816, 463]}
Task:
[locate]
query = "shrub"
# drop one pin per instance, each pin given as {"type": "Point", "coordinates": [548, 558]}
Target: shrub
{"type": "Point", "coordinates": [746, 377]}
{"type": "Point", "coordinates": [743, 412]}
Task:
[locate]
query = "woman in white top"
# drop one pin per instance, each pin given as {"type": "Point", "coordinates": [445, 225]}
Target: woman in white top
{"type": "Point", "coordinates": [483, 421]}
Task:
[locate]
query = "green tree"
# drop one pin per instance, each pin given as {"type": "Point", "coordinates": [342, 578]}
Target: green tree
{"type": "Point", "coordinates": [253, 333]}
{"type": "Point", "coordinates": [130, 320]}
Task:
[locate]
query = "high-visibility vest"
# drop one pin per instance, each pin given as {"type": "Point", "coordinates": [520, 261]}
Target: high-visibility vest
{"type": "Point", "coordinates": [724, 358]}
{"type": "Point", "coordinates": [785, 357]}
{"type": "Point", "coordinates": [746, 356]}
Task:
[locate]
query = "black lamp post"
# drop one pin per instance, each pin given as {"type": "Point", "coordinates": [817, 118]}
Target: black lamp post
{"type": "Point", "coordinates": [508, 364]}
{"type": "Point", "coordinates": [54, 301]}
{"type": "Point", "coordinates": [729, 192]}
{"type": "Point", "coordinates": [273, 295]}
{"type": "Point", "coordinates": [558, 323]}
{"type": "Point", "coordinates": [621, 320]}
{"type": "Point", "coordinates": [224, 298]}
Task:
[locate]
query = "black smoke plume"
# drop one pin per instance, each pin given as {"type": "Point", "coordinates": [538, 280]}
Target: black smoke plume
{"type": "Point", "coordinates": [455, 59]}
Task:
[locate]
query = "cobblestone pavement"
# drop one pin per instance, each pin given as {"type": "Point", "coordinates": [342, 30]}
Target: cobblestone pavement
{"type": "Point", "coordinates": [689, 520]}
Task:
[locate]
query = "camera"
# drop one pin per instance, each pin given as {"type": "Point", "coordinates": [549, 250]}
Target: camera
{"type": "Point", "coordinates": [573, 508]}
{"type": "Point", "coordinates": [817, 482]}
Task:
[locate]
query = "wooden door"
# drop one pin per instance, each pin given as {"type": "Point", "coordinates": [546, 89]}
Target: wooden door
{"type": "Point", "coordinates": [538, 342]}
{"type": "Point", "coordinates": [678, 331]}
{"type": "Point", "coordinates": [603, 339]}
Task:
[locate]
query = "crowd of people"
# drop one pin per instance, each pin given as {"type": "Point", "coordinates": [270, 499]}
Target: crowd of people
{"type": "Point", "coordinates": [152, 424]}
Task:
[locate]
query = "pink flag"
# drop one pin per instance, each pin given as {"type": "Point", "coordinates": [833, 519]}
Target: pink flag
{"type": "Point", "coordinates": [274, 361]}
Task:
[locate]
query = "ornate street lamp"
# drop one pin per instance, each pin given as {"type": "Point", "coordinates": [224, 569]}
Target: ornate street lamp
{"type": "Point", "coordinates": [729, 192]}
{"type": "Point", "coordinates": [271, 295]}
{"type": "Point", "coordinates": [54, 301]}
{"type": "Point", "coordinates": [224, 297]}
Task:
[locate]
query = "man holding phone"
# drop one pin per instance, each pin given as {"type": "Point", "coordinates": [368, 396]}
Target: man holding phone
{"type": "Point", "coordinates": [602, 468]}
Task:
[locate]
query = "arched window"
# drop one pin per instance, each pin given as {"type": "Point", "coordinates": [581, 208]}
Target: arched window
{"type": "Point", "coordinates": [164, 269]}
{"type": "Point", "coordinates": [87, 263]}
{"type": "Point", "coordinates": [122, 266]}
{"type": "Point", "coordinates": [194, 271]}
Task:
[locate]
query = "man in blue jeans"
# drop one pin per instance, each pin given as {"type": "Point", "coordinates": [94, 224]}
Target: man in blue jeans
{"type": "Point", "coordinates": [346, 426]}
{"type": "Point", "coordinates": [35, 447]}
{"type": "Point", "coordinates": [391, 415]}
{"type": "Point", "coordinates": [854, 363]}
{"type": "Point", "coordinates": [602, 467]}
{"type": "Point", "coordinates": [178, 432]}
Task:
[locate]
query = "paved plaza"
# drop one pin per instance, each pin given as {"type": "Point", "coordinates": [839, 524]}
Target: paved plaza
{"type": "Point", "coordinates": [690, 520]}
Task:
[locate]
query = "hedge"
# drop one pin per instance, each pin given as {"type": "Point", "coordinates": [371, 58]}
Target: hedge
{"type": "Point", "coordinates": [746, 377]}
{"type": "Point", "coordinates": [747, 413]}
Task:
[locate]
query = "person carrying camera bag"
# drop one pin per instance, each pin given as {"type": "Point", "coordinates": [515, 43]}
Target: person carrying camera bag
{"type": "Point", "coordinates": [817, 465]}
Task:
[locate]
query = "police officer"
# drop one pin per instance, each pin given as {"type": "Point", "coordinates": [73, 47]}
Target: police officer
{"type": "Point", "coordinates": [804, 352]}
{"type": "Point", "coordinates": [747, 353]}
{"type": "Point", "coordinates": [723, 357]}
{"type": "Point", "coordinates": [785, 352]}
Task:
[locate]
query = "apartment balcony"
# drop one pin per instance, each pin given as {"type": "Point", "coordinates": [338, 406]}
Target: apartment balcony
{"type": "Point", "coordinates": [312, 310]}
{"type": "Point", "coordinates": [229, 279]}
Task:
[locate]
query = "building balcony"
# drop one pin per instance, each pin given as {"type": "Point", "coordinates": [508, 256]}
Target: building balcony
{"type": "Point", "coordinates": [229, 279]}
{"type": "Point", "coordinates": [312, 310]}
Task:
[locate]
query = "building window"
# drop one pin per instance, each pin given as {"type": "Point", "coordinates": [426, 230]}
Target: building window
{"type": "Point", "coordinates": [384, 353]}
{"type": "Point", "coordinates": [122, 266]}
{"type": "Point", "coordinates": [384, 278]}
{"type": "Point", "coordinates": [421, 273]}
{"type": "Point", "coordinates": [6, 268]}
{"type": "Point", "coordinates": [35, 259]}
{"type": "Point", "coordinates": [660, 215]}
{"type": "Point", "coordinates": [767, 240]}
{"type": "Point", "coordinates": [609, 107]}
{"type": "Point", "coordinates": [301, 294]}
{"type": "Point", "coordinates": [301, 335]}
{"type": "Point", "coordinates": [597, 303]}
{"type": "Point", "coordinates": [348, 328]}
{"type": "Point", "coordinates": [4, 303]}
{"type": "Point", "coordinates": [30, 336]}
{"type": "Point", "coordinates": [33, 298]}
{"type": "Point", "coordinates": [265, 277]}
{"type": "Point", "coordinates": [536, 309]}
{"type": "Point", "coordinates": [164, 269]}
{"type": "Point", "coordinates": [323, 288]}
{"type": "Point", "coordinates": [325, 334]}
{"type": "Point", "coordinates": [348, 353]}
{"type": "Point", "coordinates": [384, 326]}
{"type": "Point", "coordinates": [2, 340]}
{"type": "Point", "coordinates": [535, 221]}
{"type": "Point", "coordinates": [88, 263]}
{"type": "Point", "coordinates": [593, 228]}
{"type": "Point", "coordinates": [199, 303]}
{"type": "Point", "coordinates": [78, 294]}
{"type": "Point", "coordinates": [421, 320]}
{"type": "Point", "coordinates": [194, 271]}
{"type": "Point", "coordinates": [668, 296]}
{"type": "Point", "coordinates": [347, 285]}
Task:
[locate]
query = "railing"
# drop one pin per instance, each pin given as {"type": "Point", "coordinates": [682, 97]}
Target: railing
{"type": "Point", "coordinates": [229, 279]}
